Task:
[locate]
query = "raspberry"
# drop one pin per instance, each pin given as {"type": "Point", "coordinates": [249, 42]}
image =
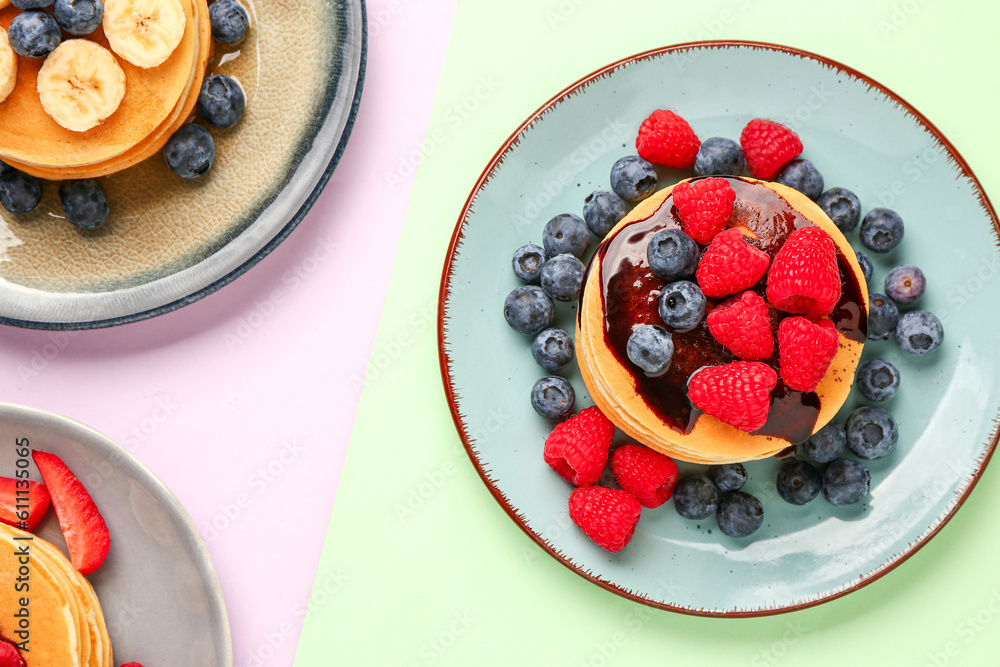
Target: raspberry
{"type": "Point", "coordinates": [648, 475]}
{"type": "Point", "coordinates": [665, 138]}
{"type": "Point", "coordinates": [730, 265]}
{"type": "Point", "coordinates": [704, 206]}
{"type": "Point", "coordinates": [804, 277]}
{"type": "Point", "coordinates": [805, 350]}
{"type": "Point", "coordinates": [743, 325]}
{"type": "Point", "coordinates": [9, 657]}
{"type": "Point", "coordinates": [768, 147]}
{"type": "Point", "coordinates": [607, 516]}
{"type": "Point", "coordinates": [577, 449]}
{"type": "Point", "coordinates": [738, 393]}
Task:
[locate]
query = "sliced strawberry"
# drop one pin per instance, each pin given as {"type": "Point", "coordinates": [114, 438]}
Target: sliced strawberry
{"type": "Point", "coordinates": [23, 503]}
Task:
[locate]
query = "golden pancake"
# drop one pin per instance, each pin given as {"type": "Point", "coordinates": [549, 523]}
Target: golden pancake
{"type": "Point", "coordinates": [656, 411]}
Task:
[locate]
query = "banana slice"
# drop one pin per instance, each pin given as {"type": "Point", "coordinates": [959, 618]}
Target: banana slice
{"type": "Point", "coordinates": [8, 65]}
{"type": "Point", "coordinates": [144, 32]}
{"type": "Point", "coordinates": [80, 84]}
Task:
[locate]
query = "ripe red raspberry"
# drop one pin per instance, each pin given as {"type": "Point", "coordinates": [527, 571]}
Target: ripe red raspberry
{"type": "Point", "coordinates": [577, 448]}
{"type": "Point", "coordinates": [607, 516]}
{"type": "Point", "coordinates": [743, 325]}
{"type": "Point", "coordinates": [665, 138]}
{"type": "Point", "coordinates": [738, 393]}
{"type": "Point", "coordinates": [9, 657]}
{"type": "Point", "coordinates": [647, 474]}
{"type": "Point", "coordinates": [730, 265]}
{"type": "Point", "coordinates": [805, 350]}
{"type": "Point", "coordinates": [704, 206]}
{"type": "Point", "coordinates": [768, 147]}
{"type": "Point", "coordinates": [804, 277]}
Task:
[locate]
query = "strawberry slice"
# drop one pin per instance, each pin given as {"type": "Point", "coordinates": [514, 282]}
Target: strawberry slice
{"type": "Point", "coordinates": [23, 503]}
{"type": "Point", "coordinates": [82, 525]}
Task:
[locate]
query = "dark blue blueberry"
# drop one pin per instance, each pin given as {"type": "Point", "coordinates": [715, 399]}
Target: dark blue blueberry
{"type": "Point", "coordinates": [221, 101]}
{"type": "Point", "coordinates": [843, 207]}
{"type": "Point", "coordinates": [682, 305]}
{"type": "Point", "coordinates": [190, 152]}
{"type": "Point", "coordinates": [905, 284]}
{"type": "Point", "coordinates": [719, 156]}
{"type": "Point", "coordinates": [229, 21]}
{"type": "Point", "coordinates": [30, 4]}
{"type": "Point", "coordinates": [871, 432]}
{"type": "Point", "coordinates": [84, 203]}
{"type": "Point", "coordinates": [729, 477]}
{"type": "Point", "coordinates": [881, 230]}
{"type": "Point", "coordinates": [602, 210]}
{"type": "Point", "coordinates": [79, 17]}
{"type": "Point", "coordinates": [34, 34]}
{"type": "Point", "coordinates": [866, 265]}
{"type": "Point", "coordinates": [528, 310]}
{"type": "Point", "coordinates": [672, 254]}
{"type": "Point", "coordinates": [552, 349]}
{"type": "Point", "coordinates": [650, 348]}
{"type": "Point", "coordinates": [695, 497]}
{"type": "Point", "coordinates": [4, 167]}
{"type": "Point", "coordinates": [826, 444]}
{"type": "Point", "coordinates": [798, 482]}
{"type": "Point", "coordinates": [633, 178]}
{"type": "Point", "coordinates": [562, 277]}
{"type": "Point", "coordinates": [740, 514]}
{"type": "Point", "coordinates": [882, 316]}
{"type": "Point", "coordinates": [845, 482]}
{"type": "Point", "coordinates": [527, 262]}
{"type": "Point", "coordinates": [919, 332]}
{"type": "Point", "coordinates": [566, 233]}
{"type": "Point", "coordinates": [803, 176]}
{"type": "Point", "coordinates": [19, 192]}
{"type": "Point", "coordinates": [878, 380]}
{"type": "Point", "coordinates": [552, 397]}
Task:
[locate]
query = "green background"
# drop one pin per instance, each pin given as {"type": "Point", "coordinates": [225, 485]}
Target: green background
{"type": "Point", "coordinates": [422, 567]}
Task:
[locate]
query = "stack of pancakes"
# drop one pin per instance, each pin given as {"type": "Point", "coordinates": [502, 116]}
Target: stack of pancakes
{"type": "Point", "coordinates": [611, 379]}
{"type": "Point", "coordinates": [157, 101]}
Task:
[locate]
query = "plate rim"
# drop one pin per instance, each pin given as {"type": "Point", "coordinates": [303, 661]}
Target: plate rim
{"type": "Point", "coordinates": [457, 239]}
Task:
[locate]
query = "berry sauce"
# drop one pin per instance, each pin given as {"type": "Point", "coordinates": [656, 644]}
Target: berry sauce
{"type": "Point", "coordinates": [630, 291]}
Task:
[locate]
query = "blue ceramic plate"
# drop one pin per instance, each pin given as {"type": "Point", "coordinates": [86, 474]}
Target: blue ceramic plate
{"type": "Point", "coordinates": [860, 136]}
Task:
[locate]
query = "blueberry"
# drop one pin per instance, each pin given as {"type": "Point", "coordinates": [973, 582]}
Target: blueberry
{"type": "Point", "coordinates": [719, 156]}
{"type": "Point", "coordinates": [553, 397]}
{"type": "Point", "coordinates": [882, 316]}
{"type": "Point", "coordinates": [30, 4]}
{"type": "Point", "coordinates": [866, 265]}
{"type": "Point", "coordinates": [633, 178]}
{"type": "Point", "coordinates": [528, 261]}
{"type": "Point", "coordinates": [229, 21]}
{"type": "Point", "coordinates": [602, 210]}
{"type": "Point", "coordinates": [562, 277]}
{"type": "Point", "coordinates": [552, 349]}
{"type": "Point", "coordinates": [34, 34]}
{"type": "Point", "coordinates": [919, 332]}
{"type": "Point", "coordinates": [845, 482]}
{"type": "Point", "coordinates": [843, 207]}
{"type": "Point", "coordinates": [4, 167]}
{"type": "Point", "coordinates": [729, 477]}
{"type": "Point", "coordinates": [881, 230]}
{"type": "Point", "coordinates": [650, 348]}
{"type": "Point", "coordinates": [19, 192]}
{"type": "Point", "coordinates": [740, 514]}
{"type": "Point", "coordinates": [905, 284]}
{"type": "Point", "coordinates": [566, 233]}
{"type": "Point", "coordinates": [84, 203]}
{"type": "Point", "coordinates": [878, 380]}
{"type": "Point", "coordinates": [221, 101]}
{"type": "Point", "coordinates": [190, 152]}
{"type": "Point", "coordinates": [695, 497]}
{"type": "Point", "coordinates": [79, 17]}
{"type": "Point", "coordinates": [672, 254]}
{"type": "Point", "coordinates": [528, 310]}
{"type": "Point", "coordinates": [871, 432]}
{"type": "Point", "coordinates": [826, 444]}
{"type": "Point", "coordinates": [798, 482]}
{"type": "Point", "coordinates": [682, 305]}
{"type": "Point", "coordinates": [803, 176]}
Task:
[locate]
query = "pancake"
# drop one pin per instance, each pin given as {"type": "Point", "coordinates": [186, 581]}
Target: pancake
{"type": "Point", "coordinates": [656, 411]}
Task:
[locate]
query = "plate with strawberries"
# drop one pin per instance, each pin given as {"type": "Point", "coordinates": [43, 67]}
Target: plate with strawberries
{"type": "Point", "coordinates": [105, 560]}
{"type": "Point", "coordinates": [743, 369]}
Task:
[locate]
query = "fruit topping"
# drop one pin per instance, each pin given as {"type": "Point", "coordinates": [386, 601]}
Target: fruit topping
{"type": "Point", "coordinates": [740, 514]}
{"type": "Point", "coordinates": [552, 349]}
{"type": "Point", "coordinates": [719, 156]}
{"type": "Point", "coordinates": [553, 397]}
{"type": "Point", "coordinates": [648, 475]}
{"type": "Point", "coordinates": [729, 477]}
{"type": "Point", "coordinates": [843, 207]}
{"type": "Point", "coordinates": [33, 34]}
{"type": "Point", "coordinates": [882, 317]}
{"type": "Point", "coordinates": [742, 324]}
{"type": "Point", "coordinates": [229, 21]}
{"type": "Point", "coordinates": [19, 192]}
{"type": "Point", "coordinates": [602, 210]}
{"type": "Point", "coordinates": [80, 84]}
{"type": "Point", "coordinates": [871, 432]}
{"type": "Point", "coordinates": [878, 380]}
{"type": "Point", "coordinates": [144, 32]}
{"type": "Point", "coordinates": [607, 516]}
{"type": "Point", "coordinates": [566, 234]}
{"type": "Point", "coordinates": [738, 393]}
{"type": "Point", "coordinates": [798, 482]}
{"type": "Point", "coordinates": [651, 348]}
{"type": "Point", "coordinates": [681, 305]}
{"type": "Point", "coordinates": [22, 503]}
{"type": "Point", "coordinates": [577, 449]}
{"type": "Point", "coordinates": [805, 349]}
{"type": "Point", "coordinates": [78, 17]}
{"type": "Point", "coordinates": [695, 497]}
{"type": "Point", "coordinates": [845, 482]}
{"type": "Point", "coordinates": [905, 284]}
{"type": "Point", "coordinates": [528, 310]}
{"type": "Point", "coordinates": [865, 263]}
{"type": "Point", "coordinates": [704, 206]}
{"type": "Point", "coordinates": [802, 175]}
{"type": "Point", "coordinates": [84, 203]}
{"type": "Point", "coordinates": [221, 101]}
{"type": "Point", "coordinates": [8, 66]}
{"type": "Point", "coordinates": [919, 332]}
{"type": "Point", "coordinates": [768, 147]}
{"type": "Point", "coordinates": [881, 230]}
{"type": "Point", "coordinates": [826, 444]}
{"type": "Point", "coordinates": [527, 263]}
{"type": "Point", "coordinates": [666, 139]}
{"type": "Point", "coordinates": [730, 265]}
{"type": "Point", "coordinates": [633, 178]}
{"type": "Point", "coordinates": [9, 657]}
{"type": "Point", "coordinates": [672, 254]}
{"type": "Point", "coordinates": [562, 277]}
{"type": "Point", "coordinates": [804, 277]}
{"type": "Point", "coordinates": [190, 152]}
